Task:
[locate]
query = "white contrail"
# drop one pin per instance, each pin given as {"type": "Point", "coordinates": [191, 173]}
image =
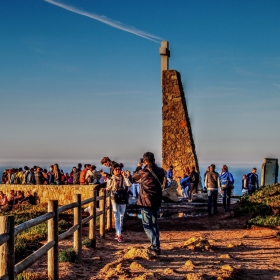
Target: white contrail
{"type": "Point", "coordinates": [104, 19]}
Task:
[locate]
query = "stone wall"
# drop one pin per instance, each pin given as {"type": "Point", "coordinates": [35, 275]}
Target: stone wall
{"type": "Point", "coordinates": [178, 147]}
{"type": "Point", "coordinates": [63, 193]}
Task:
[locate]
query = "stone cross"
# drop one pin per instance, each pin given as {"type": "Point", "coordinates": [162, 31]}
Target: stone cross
{"type": "Point", "coordinates": [165, 54]}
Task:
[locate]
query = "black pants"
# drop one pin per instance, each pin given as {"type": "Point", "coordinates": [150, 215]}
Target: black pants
{"type": "Point", "coordinates": [226, 197]}
{"type": "Point", "coordinates": [212, 199]}
{"type": "Point", "coordinates": [192, 190]}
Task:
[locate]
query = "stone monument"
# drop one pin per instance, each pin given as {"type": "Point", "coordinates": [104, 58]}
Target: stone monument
{"type": "Point", "coordinates": [269, 171]}
{"type": "Point", "coordinates": [178, 147]}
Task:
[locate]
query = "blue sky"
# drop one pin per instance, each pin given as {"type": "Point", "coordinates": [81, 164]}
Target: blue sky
{"type": "Point", "coordinates": [80, 80]}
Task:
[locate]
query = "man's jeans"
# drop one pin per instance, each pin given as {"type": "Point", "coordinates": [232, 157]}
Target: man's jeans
{"type": "Point", "coordinates": [185, 191]}
{"type": "Point", "coordinates": [135, 188]}
{"type": "Point", "coordinates": [169, 181]}
{"type": "Point", "coordinates": [119, 210]}
{"type": "Point", "coordinates": [226, 197]}
{"type": "Point", "coordinates": [149, 221]}
{"type": "Point", "coordinates": [212, 198]}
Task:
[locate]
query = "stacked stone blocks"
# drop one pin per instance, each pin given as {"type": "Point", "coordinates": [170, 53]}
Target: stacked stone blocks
{"type": "Point", "coordinates": [178, 147]}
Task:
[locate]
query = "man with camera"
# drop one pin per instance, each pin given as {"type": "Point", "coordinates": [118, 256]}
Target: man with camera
{"type": "Point", "coordinates": [150, 178]}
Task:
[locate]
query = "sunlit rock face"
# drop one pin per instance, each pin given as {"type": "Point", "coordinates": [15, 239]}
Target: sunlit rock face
{"type": "Point", "coordinates": [178, 147]}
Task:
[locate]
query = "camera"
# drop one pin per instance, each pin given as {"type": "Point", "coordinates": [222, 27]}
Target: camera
{"type": "Point", "coordinates": [141, 160]}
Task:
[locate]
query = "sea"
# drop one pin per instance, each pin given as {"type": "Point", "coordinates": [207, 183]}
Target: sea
{"type": "Point", "coordinates": [236, 171]}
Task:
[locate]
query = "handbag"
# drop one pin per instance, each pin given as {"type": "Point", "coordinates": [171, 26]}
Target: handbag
{"type": "Point", "coordinates": [121, 195]}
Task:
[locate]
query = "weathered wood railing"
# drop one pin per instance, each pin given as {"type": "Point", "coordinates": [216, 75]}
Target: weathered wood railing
{"type": "Point", "coordinates": [8, 268]}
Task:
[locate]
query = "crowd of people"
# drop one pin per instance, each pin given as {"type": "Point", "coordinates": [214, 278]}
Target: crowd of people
{"type": "Point", "coordinates": [224, 182]}
{"type": "Point", "coordinates": [119, 183]}
{"type": "Point", "coordinates": [54, 176]}
{"type": "Point", "coordinates": [213, 182]}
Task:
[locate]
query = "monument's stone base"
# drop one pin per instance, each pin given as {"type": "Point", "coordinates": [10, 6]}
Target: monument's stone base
{"type": "Point", "coordinates": [63, 193]}
{"type": "Point", "coordinates": [171, 193]}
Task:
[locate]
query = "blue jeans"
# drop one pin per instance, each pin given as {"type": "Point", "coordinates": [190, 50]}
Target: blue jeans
{"type": "Point", "coordinates": [119, 210]}
{"type": "Point", "coordinates": [169, 181]}
{"type": "Point", "coordinates": [185, 191]}
{"type": "Point", "coordinates": [135, 188]}
{"type": "Point", "coordinates": [149, 221]}
{"type": "Point", "coordinates": [212, 198]}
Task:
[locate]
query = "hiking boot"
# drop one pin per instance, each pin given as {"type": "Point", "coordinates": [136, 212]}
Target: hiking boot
{"type": "Point", "coordinates": [120, 239]}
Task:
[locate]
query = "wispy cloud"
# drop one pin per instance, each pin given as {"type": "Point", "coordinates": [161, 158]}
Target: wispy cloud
{"type": "Point", "coordinates": [108, 21]}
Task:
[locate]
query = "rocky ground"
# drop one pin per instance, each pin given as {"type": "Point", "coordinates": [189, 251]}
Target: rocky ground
{"type": "Point", "coordinates": [204, 247]}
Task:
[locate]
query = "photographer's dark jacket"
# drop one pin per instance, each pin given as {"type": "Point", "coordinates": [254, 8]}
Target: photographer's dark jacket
{"type": "Point", "coordinates": [150, 189]}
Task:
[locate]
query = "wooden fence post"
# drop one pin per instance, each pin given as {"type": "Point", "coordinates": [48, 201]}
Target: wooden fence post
{"type": "Point", "coordinates": [78, 232]}
{"type": "Point", "coordinates": [7, 252]}
{"type": "Point", "coordinates": [102, 219]}
{"type": "Point", "coordinates": [53, 272]}
{"type": "Point", "coordinates": [109, 214]}
{"type": "Point", "coordinates": [92, 222]}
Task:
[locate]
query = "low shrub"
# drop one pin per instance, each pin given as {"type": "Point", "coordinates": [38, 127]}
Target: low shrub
{"type": "Point", "coordinates": [89, 243]}
{"type": "Point", "coordinates": [27, 276]}
{"type": "Point", "coordinates": [268, 221]}
{"type": "Point", "coordinates": [263, 206]}
{"type": "Point", "coordinates": [67, 255]}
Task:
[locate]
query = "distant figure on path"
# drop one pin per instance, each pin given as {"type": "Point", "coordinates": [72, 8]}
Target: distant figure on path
{"type": "Point", "coordinates": [194, 180]}
{"type": "Point", "coordinates": [212, 183]}
{"type": "Point", "coordinates": [169, 175]}
{"type": "Point", "coordinates": [150, 178]}
{"type": "Point", "coordinates": [252, 181]}
{"type": "Point", "coordinates": [185, 185]}
{"type": "Point", "coordinates": [227, 181]}
{"type": "Point", "coordinates": [244, 185]}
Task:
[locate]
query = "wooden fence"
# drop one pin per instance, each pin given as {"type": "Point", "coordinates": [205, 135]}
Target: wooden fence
{"type": "Point", "coordinates": [8, 268]}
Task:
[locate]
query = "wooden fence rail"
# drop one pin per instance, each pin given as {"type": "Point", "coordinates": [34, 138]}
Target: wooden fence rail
{"type": "Point", "coordinates": [8, 268]}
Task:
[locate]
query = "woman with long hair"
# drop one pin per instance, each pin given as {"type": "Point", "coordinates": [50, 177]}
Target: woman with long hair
{"type": "Point", "coordinates": [57, 174]}
{"type": "Point", "coordinates": [119, 182]}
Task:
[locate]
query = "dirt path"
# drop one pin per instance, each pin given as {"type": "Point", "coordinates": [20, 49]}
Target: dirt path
{"type": "Point", "coordinates": [225, 250]}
